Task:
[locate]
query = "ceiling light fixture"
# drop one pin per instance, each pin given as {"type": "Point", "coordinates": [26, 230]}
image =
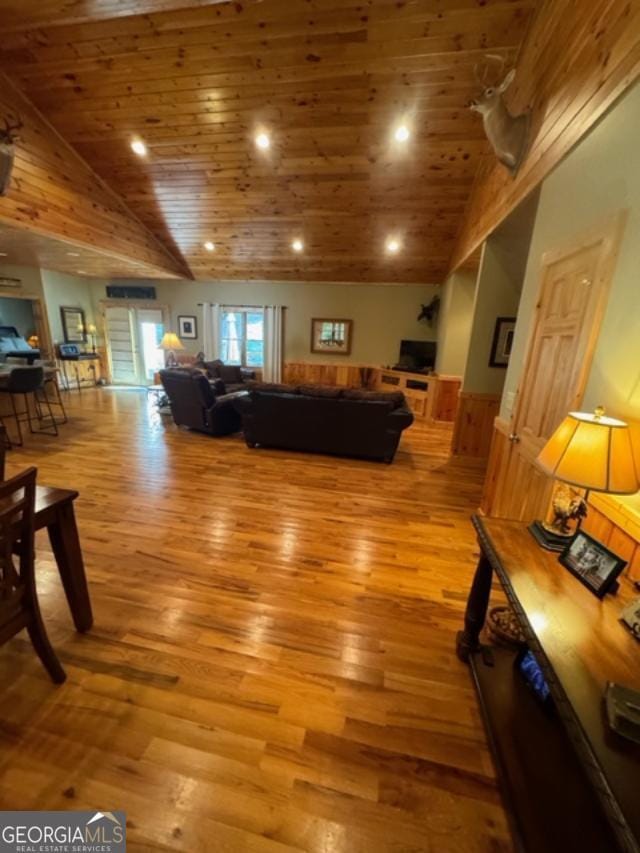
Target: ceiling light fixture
{"type": "Point", "coordinates": [73, 254]}
{"type": "Point", "coordinates": [297, 245]}
{"type": "Point", "coordinates": [3, 254]}
{"type": "Point", "coordinates": [402, 133]}
{"type": "Point", "coordinates": [263, 141]}
{"type": "Point", "coordinates": [209, 246]}
{"type": "Point", "coordinates": [139, 148]}
{"type": "Point", "coordinates": [393, 246]}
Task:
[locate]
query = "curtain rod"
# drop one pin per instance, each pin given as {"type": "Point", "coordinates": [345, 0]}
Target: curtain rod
{"type": "Point", "coordinates": [239, 305]}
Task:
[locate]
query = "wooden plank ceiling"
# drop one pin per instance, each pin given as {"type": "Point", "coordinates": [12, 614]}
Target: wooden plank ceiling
{"type": "Point", "coordinates": [328, 80]}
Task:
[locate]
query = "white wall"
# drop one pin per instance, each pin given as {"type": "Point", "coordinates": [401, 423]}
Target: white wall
{"type": "Point", "coordinates": [454, 322]}
{"type": "Point", "coordinates": [69, 291]}
{"type": "Point", "coordinates": [597, 179]}
{"type": "Point", "coordinates": [382, 314]}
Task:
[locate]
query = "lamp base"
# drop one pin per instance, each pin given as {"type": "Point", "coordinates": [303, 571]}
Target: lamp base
{"type": "Point", "coordinates": [548, 540]}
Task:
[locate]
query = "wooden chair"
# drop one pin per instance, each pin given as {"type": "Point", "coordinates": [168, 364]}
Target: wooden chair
{"type": "Point", "coordinates": [19, 606]}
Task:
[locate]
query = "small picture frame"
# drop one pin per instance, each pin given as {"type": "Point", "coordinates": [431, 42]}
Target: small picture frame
{"type": "Point", "coordinates": [594, 565]}
{"type": "Point", "coordinates": [73, 325]}
{"type": "Point", "coordinates": [502, 341]}
{"type": "Point", "coordinates": [187, 327]}
{"type": "Point", "coordinates": [331, 337]}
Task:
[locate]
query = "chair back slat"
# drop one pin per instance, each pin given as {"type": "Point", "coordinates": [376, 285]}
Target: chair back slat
{"type": "Point", "coordinates": [3, 450]}
{"type": "Point", "coordinates": [17, 507]}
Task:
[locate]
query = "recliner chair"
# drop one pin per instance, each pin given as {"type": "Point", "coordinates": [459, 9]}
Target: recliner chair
{"type": "Point", "coordinates": [195, 405]}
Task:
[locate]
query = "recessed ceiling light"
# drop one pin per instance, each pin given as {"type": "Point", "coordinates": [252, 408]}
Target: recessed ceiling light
{"type": "Point", "coordinates": [3, 254]}
{"type": "Point", "coordinates": [297, 245]}
{"type": "Point", "coordinates": [402, 133]}
{"type": "Point", "coordinates": [263, 141]}
{"type": "Point", "coordinates": [393, 246]}
{"type": "Point", "coordinates": [82, 272]}
{"type": "Point", "coordinates": [209, 246]}
{"type": "Point", "coordinates": [73, 254]}
{"type": "Point", "coordinates": [138, 147]}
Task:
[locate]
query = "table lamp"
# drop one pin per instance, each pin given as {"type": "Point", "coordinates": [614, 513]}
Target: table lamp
{"type": "Point", "coordinates": [594, 453]}
{"type": "Point", "coordinates": [170, 343]}
{"type": "Point", "coordinates": [91, 328]}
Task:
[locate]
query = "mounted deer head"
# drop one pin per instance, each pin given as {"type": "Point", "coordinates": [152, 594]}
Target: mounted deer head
{"type": "Point", "coordinates": [429, 312]}
{"type": "Point", "coordinates": [506, 133]}
{"type": "Point", "coordinates": [8, 139]}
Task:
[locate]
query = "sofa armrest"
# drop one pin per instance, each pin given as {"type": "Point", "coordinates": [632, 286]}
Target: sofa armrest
{"type": "Point", "coordinates": [400, 419]}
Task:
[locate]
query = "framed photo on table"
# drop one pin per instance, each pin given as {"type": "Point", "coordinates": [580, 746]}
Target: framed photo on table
{"type": "Point", "coordinates": [73, 325]}
{"type": "Point", "coordinates": [594, 565]}
{"type": "Point", "coordinates": [502, 341]}
{"type": "Point", "coordinates": [187, 327]}
{"type": "Point", "coordinates": [331, 337]}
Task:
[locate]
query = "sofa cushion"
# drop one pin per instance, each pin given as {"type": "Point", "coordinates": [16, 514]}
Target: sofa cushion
{"type": "Point", "coordinates": [270, 387]}
{"type": "Point", "coordinates": [394, 397]}
{"type": "Point", "coordinates": [331, 391]}
{"type": "Point", "coordinates": [230, 374]}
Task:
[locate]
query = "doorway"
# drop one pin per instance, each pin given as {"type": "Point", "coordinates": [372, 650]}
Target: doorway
{"type": "Point", "coordinates": [574, 286]}
{"type": "Point", "coordinates": [133, 335]}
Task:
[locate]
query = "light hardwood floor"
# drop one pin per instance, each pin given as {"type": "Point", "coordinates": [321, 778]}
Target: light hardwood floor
{"type": "Point", "coordinates": [272, 665]}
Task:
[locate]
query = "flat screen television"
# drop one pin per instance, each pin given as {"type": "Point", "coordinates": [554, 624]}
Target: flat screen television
{"type": "Point", "coordinates": [417, 355]}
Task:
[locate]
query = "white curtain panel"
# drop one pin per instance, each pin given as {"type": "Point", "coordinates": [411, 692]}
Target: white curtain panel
{"type": "Point", "coordinates": [211, 330]}
{"type": "Point", "coordinates": [273, 346]}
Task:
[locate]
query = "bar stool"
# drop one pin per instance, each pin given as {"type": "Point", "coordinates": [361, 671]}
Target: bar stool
{"type": "Point", "coordinates": [27, 381]}
{"type": "Point", "coordinates": [50, 383]}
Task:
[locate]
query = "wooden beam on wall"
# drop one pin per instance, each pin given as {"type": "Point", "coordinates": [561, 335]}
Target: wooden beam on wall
{"type": "Point", "coordinates": [578, 57]}
{"type": "Point", "coordinates": [54, 193]}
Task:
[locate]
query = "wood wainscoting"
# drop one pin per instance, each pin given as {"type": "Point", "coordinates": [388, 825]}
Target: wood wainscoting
{"type": "Point", "coordinates": [322, 373]}
{"type": "Point", "coordinates": [473, 430]}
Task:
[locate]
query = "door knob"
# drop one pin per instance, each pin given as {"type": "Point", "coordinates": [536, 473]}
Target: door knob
{"type": "Point", "coordinates": [514, 438]}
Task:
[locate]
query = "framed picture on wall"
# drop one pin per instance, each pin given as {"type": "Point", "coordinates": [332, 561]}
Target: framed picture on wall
{"type": "Point", "coordinates": [73, 325]}
{"type": "Point", "coordinates": [187, 327]}
{"type": "Point", "coordinates": [331, 337]}
{"type": "Point", "coordinates": [502, 341]}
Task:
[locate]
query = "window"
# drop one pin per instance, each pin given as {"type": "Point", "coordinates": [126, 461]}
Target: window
{"type": "Point", "coordinates": [242, 336]}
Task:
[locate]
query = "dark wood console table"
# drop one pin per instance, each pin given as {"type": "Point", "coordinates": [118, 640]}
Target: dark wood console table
{"type": "Point", "coordinates": [568, 781]}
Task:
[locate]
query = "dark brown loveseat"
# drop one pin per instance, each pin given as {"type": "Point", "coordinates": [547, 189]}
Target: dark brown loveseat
{"type": "Point", "coordinates": [324, 419]}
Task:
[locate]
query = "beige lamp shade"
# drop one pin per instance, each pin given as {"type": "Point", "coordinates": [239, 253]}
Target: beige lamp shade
{"type": "Point", "coordinates": [592, 451]}
{"type": "Point", "coordinates": [171, 341]}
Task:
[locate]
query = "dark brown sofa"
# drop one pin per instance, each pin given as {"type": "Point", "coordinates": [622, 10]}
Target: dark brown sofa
{"type": "Point", "coordinates": [324, 419]}
{"type": "Point", "coordinates": [196, 405]}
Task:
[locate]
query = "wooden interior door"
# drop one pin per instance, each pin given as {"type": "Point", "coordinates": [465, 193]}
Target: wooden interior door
{"type": "Point", "coordinates": [573, 293]}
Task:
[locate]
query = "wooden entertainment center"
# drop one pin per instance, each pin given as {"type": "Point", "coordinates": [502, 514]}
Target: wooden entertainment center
{"type": "Point", "coordinates": [431, 396]}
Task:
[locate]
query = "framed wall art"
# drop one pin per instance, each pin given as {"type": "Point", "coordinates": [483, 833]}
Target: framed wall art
{"type": "Point", "coordinates": [502, 341]}
{"type": "Point", "coordinates": [187, 327]}
{"type": "Point", "coordinates": [73, 325]}
{"type": "Point", "coordinates": [331, 337]}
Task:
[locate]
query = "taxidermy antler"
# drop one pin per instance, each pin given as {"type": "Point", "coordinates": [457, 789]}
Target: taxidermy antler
{"type": "Point", "coordinates": [8, 139]}
{"type": "Point", "coordinates": [429, 312]}
{"type": "Point", "coordinates": [506, 133]}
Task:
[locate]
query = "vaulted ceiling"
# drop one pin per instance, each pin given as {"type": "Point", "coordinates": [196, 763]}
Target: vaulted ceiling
{"type": "Point", "coordinates": [329, 81]}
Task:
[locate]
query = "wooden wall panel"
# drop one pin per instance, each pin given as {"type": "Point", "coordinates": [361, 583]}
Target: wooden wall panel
{"type": "Point", "coordinates": [577, 58]}
{"type": "Point", "coordinates": [315, 373]}
{"type": "Point", "coordinates": [473, 429]}
{"type": "Point", "coordinates": [55, 194]}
